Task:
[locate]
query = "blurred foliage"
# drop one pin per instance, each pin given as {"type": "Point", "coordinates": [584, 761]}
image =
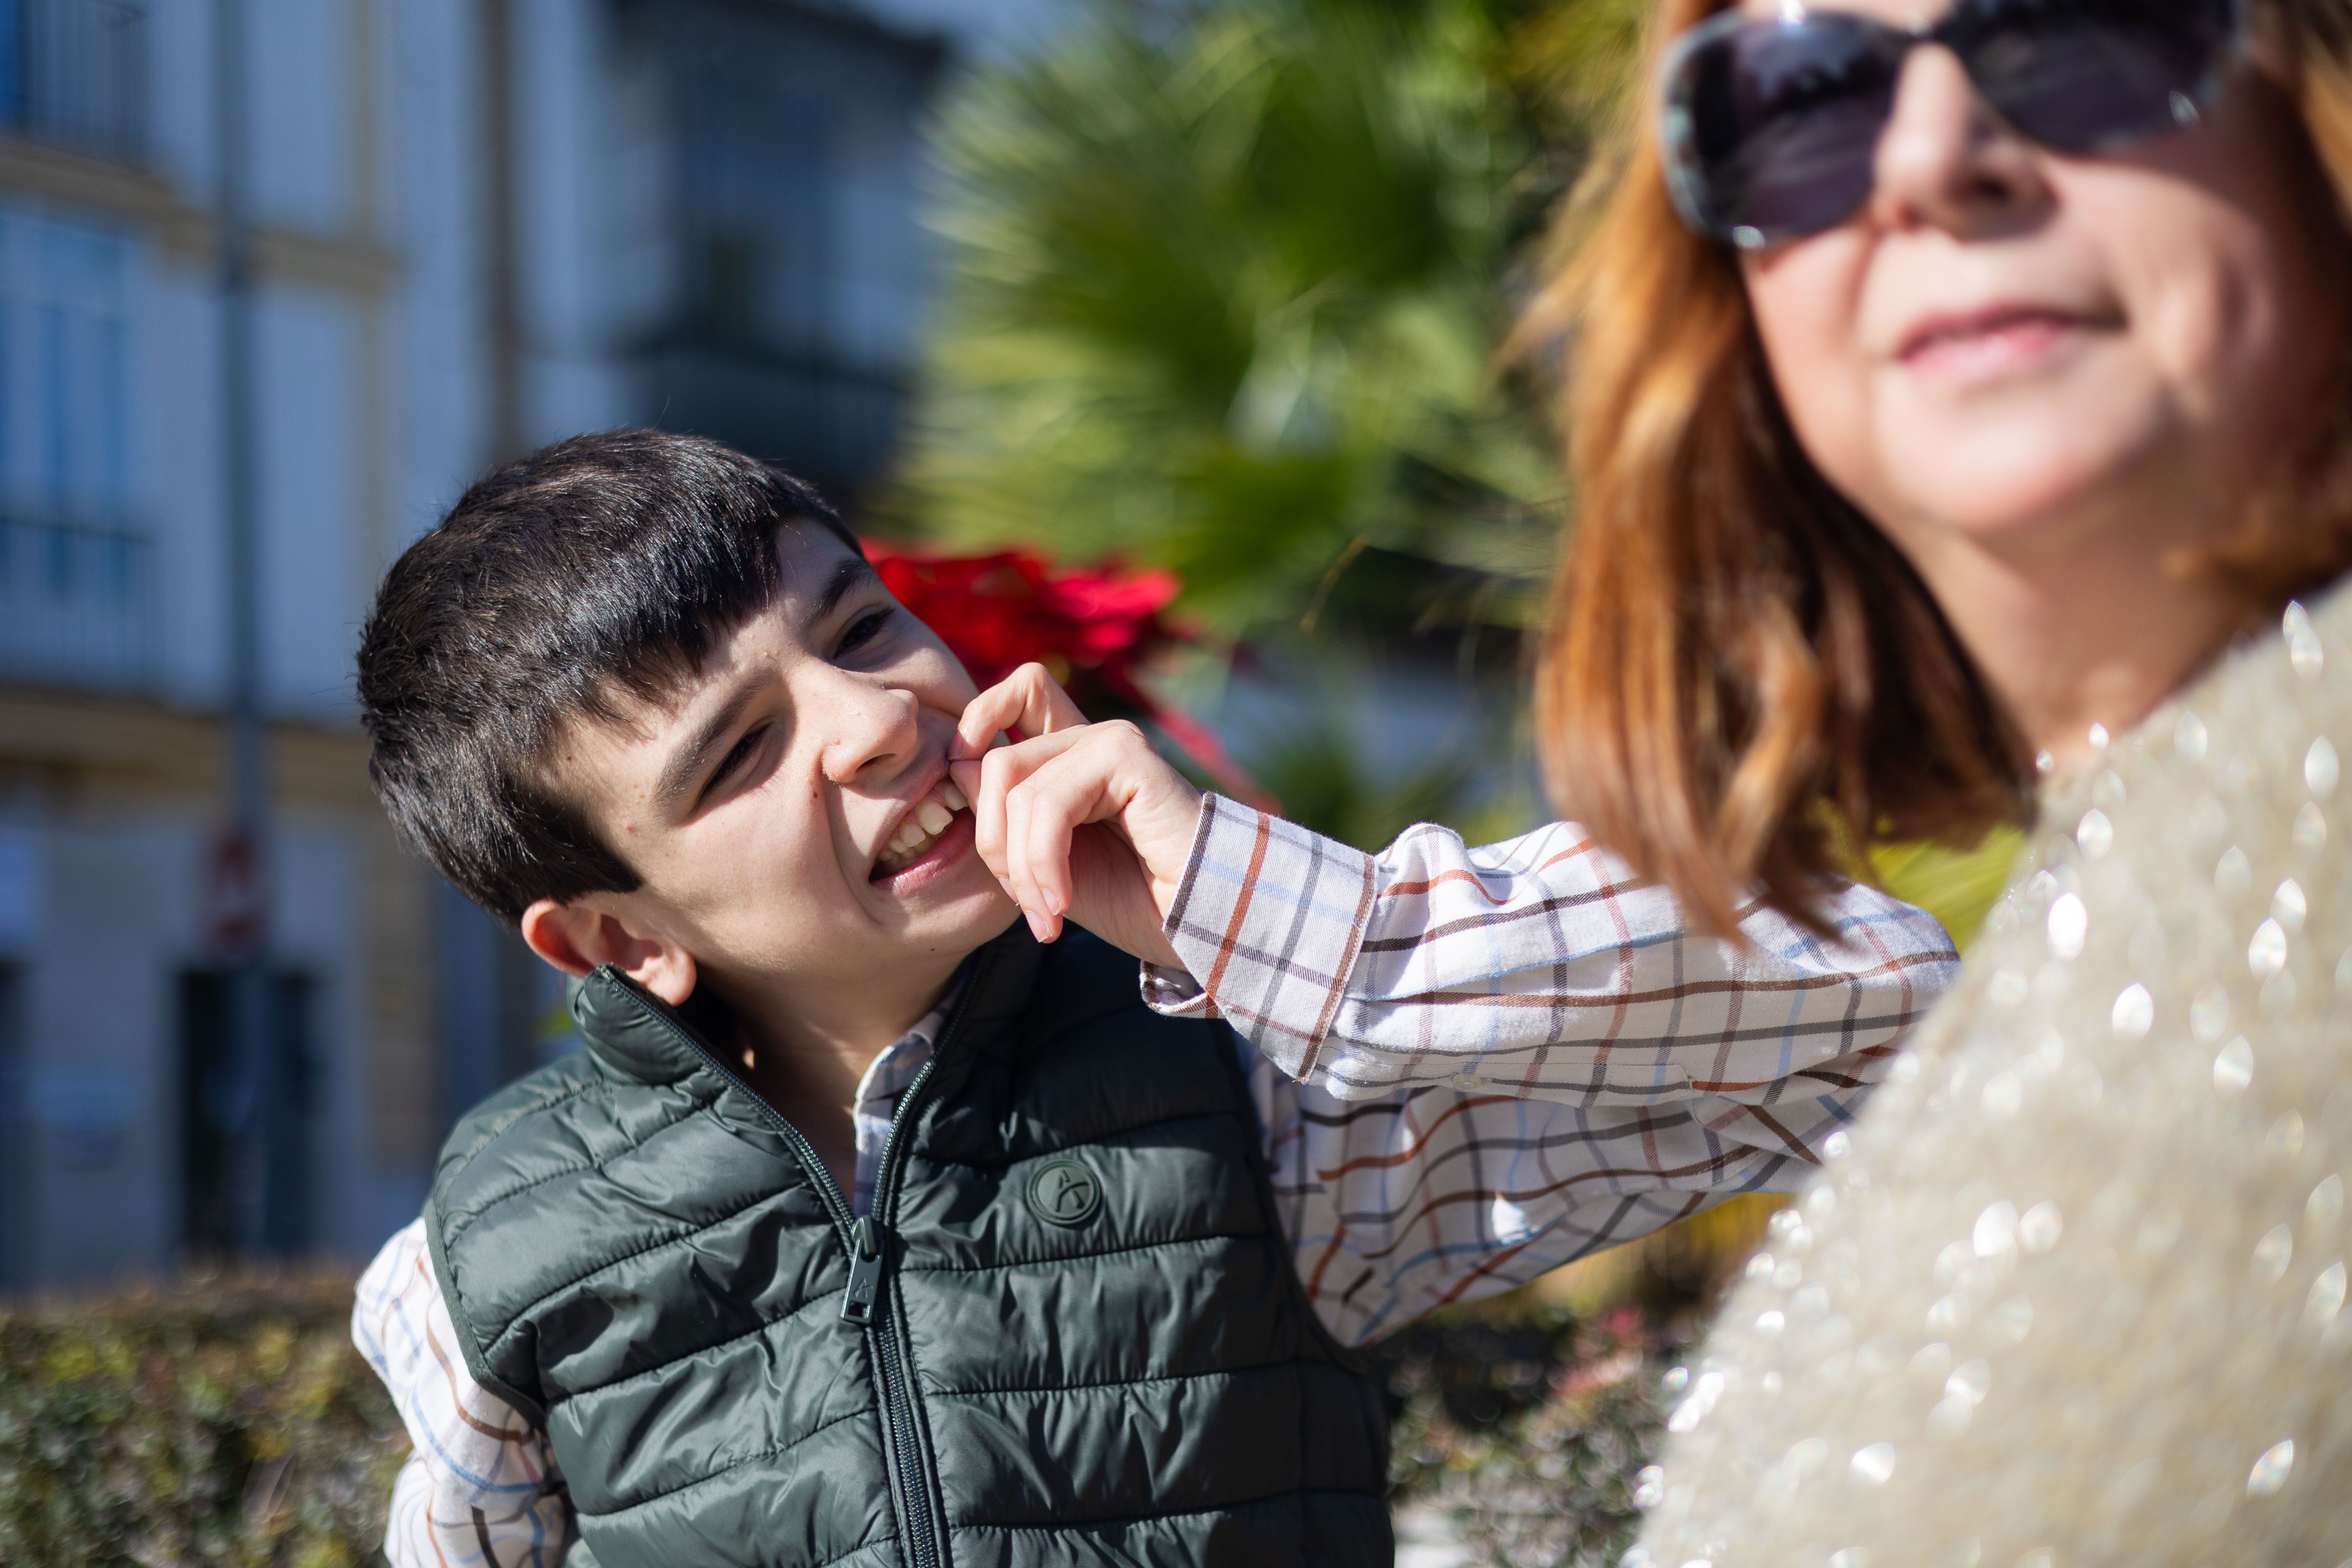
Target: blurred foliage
{"type": "Point", "coordinates": [231, 1424]}
{"type": "Point", "coordinates": [1526, 1428]}
{"type": "Point", "coordinates": [1226, 295]}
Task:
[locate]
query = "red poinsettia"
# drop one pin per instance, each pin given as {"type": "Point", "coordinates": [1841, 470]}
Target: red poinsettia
{"type": "Point", "coordinates": [1095, 628]}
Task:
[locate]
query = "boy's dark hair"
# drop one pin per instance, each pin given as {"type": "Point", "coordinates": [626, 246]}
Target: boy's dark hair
{"type": "Point", "coordinates": [604, 564]}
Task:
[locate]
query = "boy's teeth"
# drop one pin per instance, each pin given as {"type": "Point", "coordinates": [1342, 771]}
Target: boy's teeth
{"type": "Point", "coordinates": [933, 815]}
{"type": "Point", "coordinates": [957, 800]}
{"type": "Point", "coordinates": [926, 822]}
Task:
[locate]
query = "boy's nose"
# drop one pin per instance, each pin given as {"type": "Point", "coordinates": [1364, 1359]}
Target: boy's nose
{"type": "Point", "coordinates": [872, 727]}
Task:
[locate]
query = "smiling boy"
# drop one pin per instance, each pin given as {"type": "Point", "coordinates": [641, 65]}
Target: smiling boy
{"type": "Point", "coordinates": [869, 1228]}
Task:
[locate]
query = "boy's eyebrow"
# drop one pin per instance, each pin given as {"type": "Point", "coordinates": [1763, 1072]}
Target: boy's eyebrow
{"type": "Point", "coordinates": [686, 764]}
{"type": "Point", "coordinates": [846, 574]}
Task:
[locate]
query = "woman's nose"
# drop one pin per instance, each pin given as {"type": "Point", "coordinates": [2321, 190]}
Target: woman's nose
{"type": "Point", "coordinates": [1945, 160]}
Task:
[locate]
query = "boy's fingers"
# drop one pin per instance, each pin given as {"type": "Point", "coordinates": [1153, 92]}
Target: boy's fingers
{"type": "Point", "coordinates": [1029, 702]}
{"type": "Point", "coordinates": [987, 783]}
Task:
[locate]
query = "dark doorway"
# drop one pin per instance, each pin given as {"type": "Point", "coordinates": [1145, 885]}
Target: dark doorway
{"type": "Point", "coordinates": [15, 1126]}
{"type": "Point", "coordinates": [241, 1189]}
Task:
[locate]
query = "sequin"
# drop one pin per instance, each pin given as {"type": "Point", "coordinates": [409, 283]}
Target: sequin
{"type": "Point", "coordinates": [2209, 1012]}
{"type": "Point", "coordinates": [2266, 955]}
{"type": "Point", "coordinates": [1995, 1230]}
{"type": "Point", "coordinates": [2288, 905]}
{"type": "Point", "coordinates": [1873, 1465]}
{"type": "Point", "coordinates": [2134, 1012]}
{"type": "Point", "coordinates": [2326, 1204]}
{"type": "Point", "coordinates": [2286, 1136]}
{"type": "Point", "coordinates": [2009, 1322]}
{"type": "Point", "coordinates": [2003, 1096]}
{"type": "Point", "coordinates": [1933, 1361]}
{"type": "Point", "coordinates": [2098, 737]}
{"type": "Point", "coordinates": [2310, 827]}
{"type": "Point", "coordinates": [2069, 923]}
{"type": "Point", "coordinates": [2107, 792]}
{"type": "Point", "coordinates": [1850, 1557]}
{"type": "Point", "coordinates": [1770, 1324]}
{"type": "Point", "coordinates": [1952, 1263]}
{"type": "Point", "coordinates": [2038, 1227]}
{"type": "Point", "coordinates": [2189, 737]}
{"type": "Point", "coordinates": [1950, 1417]}
{"type": "Point", "coordinates": [2327, 1298]}
{"type": "Point", "coordinates": [1675, 1380]}
{"type": "Point", "coordinates": [2233, 875]}
{"type": "Point", "coordinates": [2274, 1252]}
{"type": "Point", "coordinates": [1760, 1266]}
{"type": "Point", "coordinates": [1949, 1315]}
{"type": "Point", "coordinates": [2096, 834]}
{"type": "Point", "coordinates": [1789, 1275]}
{"type": "Point", "coordinates": [1694, 1409]}
{"type": "Point", "coordinates": [1649, 1486]}
{"type": "Point", "coordinates": [2321, 768]}
{"type": "Point", "coordinates": [2234, 1068]}
{"type": "Point", "coordinates": [2303, 647]}
{"type": "Point", "coordinates": [1837, 1146]}
{"type": "Point", "coordinates": [1971, 1380]}
{"type": "Point", "coordinates": [2270, 1471]}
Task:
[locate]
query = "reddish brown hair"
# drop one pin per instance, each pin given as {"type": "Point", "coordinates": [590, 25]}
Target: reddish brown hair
{"type": "Point", "coordinates": [1742, 678]}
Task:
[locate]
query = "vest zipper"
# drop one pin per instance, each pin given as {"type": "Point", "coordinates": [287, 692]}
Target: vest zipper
{"type": "Point", "coordinates": [923, 1546]}
{"type": "Point", "coordinates": [866, 1239]}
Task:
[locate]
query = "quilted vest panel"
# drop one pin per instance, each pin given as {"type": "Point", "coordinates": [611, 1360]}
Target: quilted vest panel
{"type": "Point", "coordinates": [1071, 1332]}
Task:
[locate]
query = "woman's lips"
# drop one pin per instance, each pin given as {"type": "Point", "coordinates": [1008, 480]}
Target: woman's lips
{"type": "Point", "coordinates": [1986, 345]}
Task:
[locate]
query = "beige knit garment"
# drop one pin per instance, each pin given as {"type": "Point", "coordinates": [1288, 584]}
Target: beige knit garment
{"type": "Point", "coordinates": [2075, 1293]}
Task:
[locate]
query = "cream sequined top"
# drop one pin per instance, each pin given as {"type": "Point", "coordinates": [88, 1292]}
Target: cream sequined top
{"type": "Point", "coordinates": [2073, 1291]}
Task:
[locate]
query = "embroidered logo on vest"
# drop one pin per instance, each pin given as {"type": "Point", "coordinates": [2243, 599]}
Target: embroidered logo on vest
{"type": "Point", "coordinates": [1062, 1191]}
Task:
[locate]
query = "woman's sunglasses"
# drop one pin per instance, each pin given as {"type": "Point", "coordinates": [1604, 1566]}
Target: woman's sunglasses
{"type": "Point", "coordinates": [1772, 126]}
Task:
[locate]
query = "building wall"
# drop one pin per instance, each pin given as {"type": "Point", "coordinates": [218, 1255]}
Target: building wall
{"type": "Point", "coordinates": [377, 377]}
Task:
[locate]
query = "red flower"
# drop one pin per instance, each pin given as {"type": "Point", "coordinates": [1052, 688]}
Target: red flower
{"type": "Point", "coordinates": [1095, 628]}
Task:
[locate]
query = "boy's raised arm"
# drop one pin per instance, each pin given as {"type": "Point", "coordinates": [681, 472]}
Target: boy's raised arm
{"type": "Point", "coordinates": [1535, 967]}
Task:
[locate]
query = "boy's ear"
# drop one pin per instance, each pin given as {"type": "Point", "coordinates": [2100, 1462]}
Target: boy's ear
{"type": "Point", "coordinates": [576, 938]}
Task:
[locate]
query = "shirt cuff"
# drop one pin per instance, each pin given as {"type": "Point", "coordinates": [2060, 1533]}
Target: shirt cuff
{"type": "Point", "coordinates": [1175, 994]}
{"type": "Point", "coordinates": [1270, 917]}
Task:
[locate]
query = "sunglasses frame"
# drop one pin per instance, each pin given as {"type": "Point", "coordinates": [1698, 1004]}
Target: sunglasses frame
{"type": "Point", "coordinates": [1677, 136]}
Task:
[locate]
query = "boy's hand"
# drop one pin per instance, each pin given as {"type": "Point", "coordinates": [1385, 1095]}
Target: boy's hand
{"type": "Point", "coordinates": [1076, 819]}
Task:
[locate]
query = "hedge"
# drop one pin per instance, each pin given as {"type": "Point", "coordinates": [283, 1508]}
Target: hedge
{"type": "Point", "coordinates": [229, 1422]}
{"type": "Point", "coordinates": [232, 1423]}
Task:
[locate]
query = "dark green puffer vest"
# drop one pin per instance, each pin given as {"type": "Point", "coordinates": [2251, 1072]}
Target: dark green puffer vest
{"type": "Point", "coordinates": [1072, 1333]}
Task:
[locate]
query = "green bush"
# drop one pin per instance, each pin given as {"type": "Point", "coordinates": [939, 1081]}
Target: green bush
{"type": "Point", "coordinates": [224, 1424]}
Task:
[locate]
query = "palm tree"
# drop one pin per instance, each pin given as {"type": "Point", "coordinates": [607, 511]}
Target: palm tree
{"type": "Point", "coordinates": [1227, 293]}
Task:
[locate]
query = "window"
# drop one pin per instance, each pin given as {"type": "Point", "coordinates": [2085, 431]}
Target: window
{"type": "Point", "coordinates": [73, 574]}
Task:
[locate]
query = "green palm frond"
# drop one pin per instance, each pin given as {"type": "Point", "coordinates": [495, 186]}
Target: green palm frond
{"type": "Point", "coordinates": [1227, 297]}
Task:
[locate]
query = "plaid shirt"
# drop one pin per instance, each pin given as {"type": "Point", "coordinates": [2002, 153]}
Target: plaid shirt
{"type": "Point", "coordinates": [1472, 1066]}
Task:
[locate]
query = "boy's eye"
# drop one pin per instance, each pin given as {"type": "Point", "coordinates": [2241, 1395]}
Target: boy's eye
{"type": "Point", "coordinates": [740, 755]}
{"type": "Point", "coordinates": [863, 629]}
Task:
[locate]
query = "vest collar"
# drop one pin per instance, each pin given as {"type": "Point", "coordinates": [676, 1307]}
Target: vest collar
{"type": "Point", "coordinates": [637, 1037]}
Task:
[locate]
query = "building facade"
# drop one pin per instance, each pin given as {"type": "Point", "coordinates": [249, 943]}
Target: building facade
{"type": "Point", "coordinates": [475, 225]}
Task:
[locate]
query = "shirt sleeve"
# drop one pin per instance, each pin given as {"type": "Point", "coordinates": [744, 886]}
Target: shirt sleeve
{"type": "Point", "coordinates": [479, 1486]}
{"type": "Point", "coordinates": [1538, 968]}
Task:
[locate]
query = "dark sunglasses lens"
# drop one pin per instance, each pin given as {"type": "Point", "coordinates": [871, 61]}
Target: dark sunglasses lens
{"type": "Point", "coordinates": [2082, 76]}
{"type": "Point", "coordinates": [1784, 123]}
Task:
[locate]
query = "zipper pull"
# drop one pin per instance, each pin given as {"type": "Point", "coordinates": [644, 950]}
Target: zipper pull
{"type": "Point", "coordinates": [865, 1270]}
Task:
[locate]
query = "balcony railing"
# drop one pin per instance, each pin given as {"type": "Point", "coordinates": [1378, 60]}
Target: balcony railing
{"type": "Point", "coordinates": [76, 606]}
{"type": "Point", "coordinates": [73, 73]}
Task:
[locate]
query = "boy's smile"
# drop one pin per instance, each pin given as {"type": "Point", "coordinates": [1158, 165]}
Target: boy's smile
{"type": "Point", "coordinates": [802, 848]}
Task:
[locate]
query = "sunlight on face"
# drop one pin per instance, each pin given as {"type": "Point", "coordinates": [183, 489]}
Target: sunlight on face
{"type": "Point", "coordinates": [2018, 350]}
{"type": "Point", "coordinates": [757, 804]}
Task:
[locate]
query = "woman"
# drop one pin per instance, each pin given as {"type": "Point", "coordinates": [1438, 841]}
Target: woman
{"type": "Point", "coordinates": [1955, 385]}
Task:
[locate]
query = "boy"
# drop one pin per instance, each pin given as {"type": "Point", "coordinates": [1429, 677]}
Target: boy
{"type": "Point", "coordinates": [868, 1229]}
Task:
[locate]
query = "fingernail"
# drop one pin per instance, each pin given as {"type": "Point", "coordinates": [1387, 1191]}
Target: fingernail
{"type": "Point", "coordinates": [1038, 926]}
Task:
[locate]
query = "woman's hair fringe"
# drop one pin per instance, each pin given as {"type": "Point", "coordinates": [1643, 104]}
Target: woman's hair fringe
{"type": "Point", "coordinates": [1742, 682]}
